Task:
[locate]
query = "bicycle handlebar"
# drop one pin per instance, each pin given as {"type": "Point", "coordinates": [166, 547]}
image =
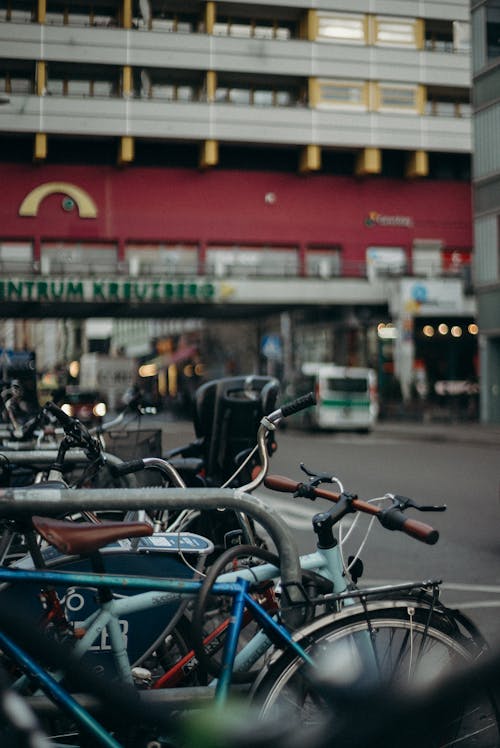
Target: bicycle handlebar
{"type": "Point", "coordinates": [135, 466]}
{"type": "Point", "coordinates": [267, 424]}
{"type": "Point", "coordinates": [391, 518]}
{"type": "Point", "coordinates": [299, 404]}
{"type": "Point", "coordinates": [74, 428]}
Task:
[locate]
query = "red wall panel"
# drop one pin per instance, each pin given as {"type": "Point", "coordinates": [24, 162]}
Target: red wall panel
{"type": "Point", "coordinates": [231, 207]}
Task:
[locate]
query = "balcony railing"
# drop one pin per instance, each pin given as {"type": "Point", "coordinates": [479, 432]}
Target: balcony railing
{"type": "Point", "coordinates": [11, 269]}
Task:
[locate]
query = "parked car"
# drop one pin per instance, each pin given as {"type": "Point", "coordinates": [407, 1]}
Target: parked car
{"type": "Point", "coordinates": [346, 397]}
{"type": "Point", "coordinates": [86, 405]}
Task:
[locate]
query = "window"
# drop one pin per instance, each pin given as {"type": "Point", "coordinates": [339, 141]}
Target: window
{"type": "Point", "coordinates": [78, 88]}
{"type": "Point", "coordinates": [263, 98]}
{"type": "Point", "coordinates": [257, 97]}
{"type": "Point", "coordinates": [154, 259]}
{"type": "Point", "coordinates": [82, 80]}
{"type": "Point", "coordinates": [399, 97]}
{"type": "Point", "coordinates": [323, 263]}
{"type": "Point", "coordinates": [156, 83]}
{"type": "Point", "coordinates": [383, 261]}
{"type": "Point", "coordinates": [246, 28]}
{"type": "Point", "coordinates": [350, 385]}
{"type": "Point", "coordinates": [341, 28]}
{"type": "Point", "coordinates": [493, 29]}
{"type": "Point", "coordinates": [461, 36]}
{"type": "Point", "coordinates": [245, 261]}
{"type": "Point", "coordinates": [16, 257]}
{"type": "Point", "coordinates": [18, 16]}
{"type": "Point", "coordinates": [444, 102]}
{"type": "Point", "coordinates": [239, 96]}
{"type": "Point", "coordinates": [426, 257]}
{"type": "Point", "coordinates": [456, 261]}
{"type": "Point", "coordinates": [342, 93]}
{"type": "Point", "coordinates": [71, 258]}
{"type": "Point", "coordinates": [396, 32]}
{"type": "Point", "coordinates": [21, 85]}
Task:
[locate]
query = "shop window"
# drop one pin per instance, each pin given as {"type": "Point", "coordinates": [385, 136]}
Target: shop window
{"type": "Point", "coordinates": [323, 263]}
{"type": "Point", "coordinates": [343, 93]}
{"type": "Point", "coordinates": [244, 261]}
{"type": "Point", "coordinates": [385, 261]}
{"type": "Point", "coordinates": [161, 259]}
{"type": "Point", "coordinates": [337, 27]}
{"type": "Point", "coordinates": [78, 258]}
{"type": "Point", "coordinates": [426, 257]}
{"type": "Point", "coordinates": [396, 32]}
{"type": "Point", "coordinates": [16, 257]}
{"type": "Point", "coordinates": [456, 262]}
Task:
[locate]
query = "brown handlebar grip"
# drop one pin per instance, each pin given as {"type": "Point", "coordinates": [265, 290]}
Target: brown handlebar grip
{"type": "Point", "coordinates": [420, 531]}
{"type": "Point", "coordinates": [281, 483]}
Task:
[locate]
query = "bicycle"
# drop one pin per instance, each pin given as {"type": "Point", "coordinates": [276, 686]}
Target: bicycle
{"type": "Point", "coordinates": [443, 643]}
{"type": "Point", "coordinates": [432, 623]}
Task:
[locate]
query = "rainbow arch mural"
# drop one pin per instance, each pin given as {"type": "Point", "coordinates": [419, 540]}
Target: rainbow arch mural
{"type": "Point", "coordinates": [84, 203]}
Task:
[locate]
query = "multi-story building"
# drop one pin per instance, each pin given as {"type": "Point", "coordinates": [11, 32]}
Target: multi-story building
{"type": "Point", "coordinates": [221, 160]}
{"type": "Point", "coordinates": [486, 192]}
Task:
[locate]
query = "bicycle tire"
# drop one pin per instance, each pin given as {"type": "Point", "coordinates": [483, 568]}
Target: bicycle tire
{"type": "Point", "coordinates": [401, 639]}
{"type": "Point", "coordinates": [207, 661]}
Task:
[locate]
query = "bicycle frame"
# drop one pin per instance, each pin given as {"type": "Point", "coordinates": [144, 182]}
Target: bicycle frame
{"type": "Point", "coordinates": [165, 589]}
{"type": "Point", "coordinates": [107, 617]}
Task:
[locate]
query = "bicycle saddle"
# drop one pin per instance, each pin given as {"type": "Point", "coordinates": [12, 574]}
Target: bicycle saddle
{"type": "Point", "coordinates": [81, 537]}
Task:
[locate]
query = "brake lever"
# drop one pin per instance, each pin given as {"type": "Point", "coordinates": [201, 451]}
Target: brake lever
{"type": "Point", "coordinates": [403, 502]}
{"type": "Point", "coordinates": [316, 478]}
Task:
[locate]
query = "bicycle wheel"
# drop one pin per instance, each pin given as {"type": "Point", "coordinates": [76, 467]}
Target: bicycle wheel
{"type": "Point", "coordinates": [399, 646]}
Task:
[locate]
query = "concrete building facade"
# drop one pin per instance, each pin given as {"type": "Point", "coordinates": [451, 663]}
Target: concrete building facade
{"type": "Point", "coordinates": [245, 160]}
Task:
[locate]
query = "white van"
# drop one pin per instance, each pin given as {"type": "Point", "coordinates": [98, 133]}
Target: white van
{"type": "Point", "coordinates": [346, 396]}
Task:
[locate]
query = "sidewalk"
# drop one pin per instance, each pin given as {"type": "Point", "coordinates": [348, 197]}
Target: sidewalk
{"type": "Point", "coordinates": [464, 432]}
{"type": "Point", "coordinates": [180, 431]}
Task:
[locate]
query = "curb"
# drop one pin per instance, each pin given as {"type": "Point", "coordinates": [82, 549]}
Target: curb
{"type": "Point", "coordinates": [465, 433]}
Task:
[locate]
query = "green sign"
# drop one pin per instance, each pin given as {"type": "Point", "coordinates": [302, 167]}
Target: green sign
{"type": "Point", "coordinates": [105, 291]}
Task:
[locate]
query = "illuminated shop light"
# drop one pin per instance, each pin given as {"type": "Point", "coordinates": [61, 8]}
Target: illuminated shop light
{"type": "Point", "coordinates": [428, 331]}
{"type": "Point", "coordinates": [443, 329]}
{"type": "Point", "coordinates": [387, 331]}
{"type": "Point", "coordinates": [473, 328]}
{"type": "Point", "coordinates": [148, 370]}
{"type": "Point", "coordinates": [456, 331]}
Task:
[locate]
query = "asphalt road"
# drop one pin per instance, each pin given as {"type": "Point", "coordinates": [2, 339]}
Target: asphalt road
{"type": "Point", "coordinates": [432, 465]}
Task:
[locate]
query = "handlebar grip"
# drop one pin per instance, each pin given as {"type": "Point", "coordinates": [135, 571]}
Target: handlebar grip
{"type": "Point", "coordinates": [299, 404]}
{"type": "Point", "coordinates": [132, 466]}
{"type": "Point", "coordinates": [280, 483]}
{"type": "Point", "coordinates": [393, 519]}
{"type": "Point", "coordinates": [64, 419]}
